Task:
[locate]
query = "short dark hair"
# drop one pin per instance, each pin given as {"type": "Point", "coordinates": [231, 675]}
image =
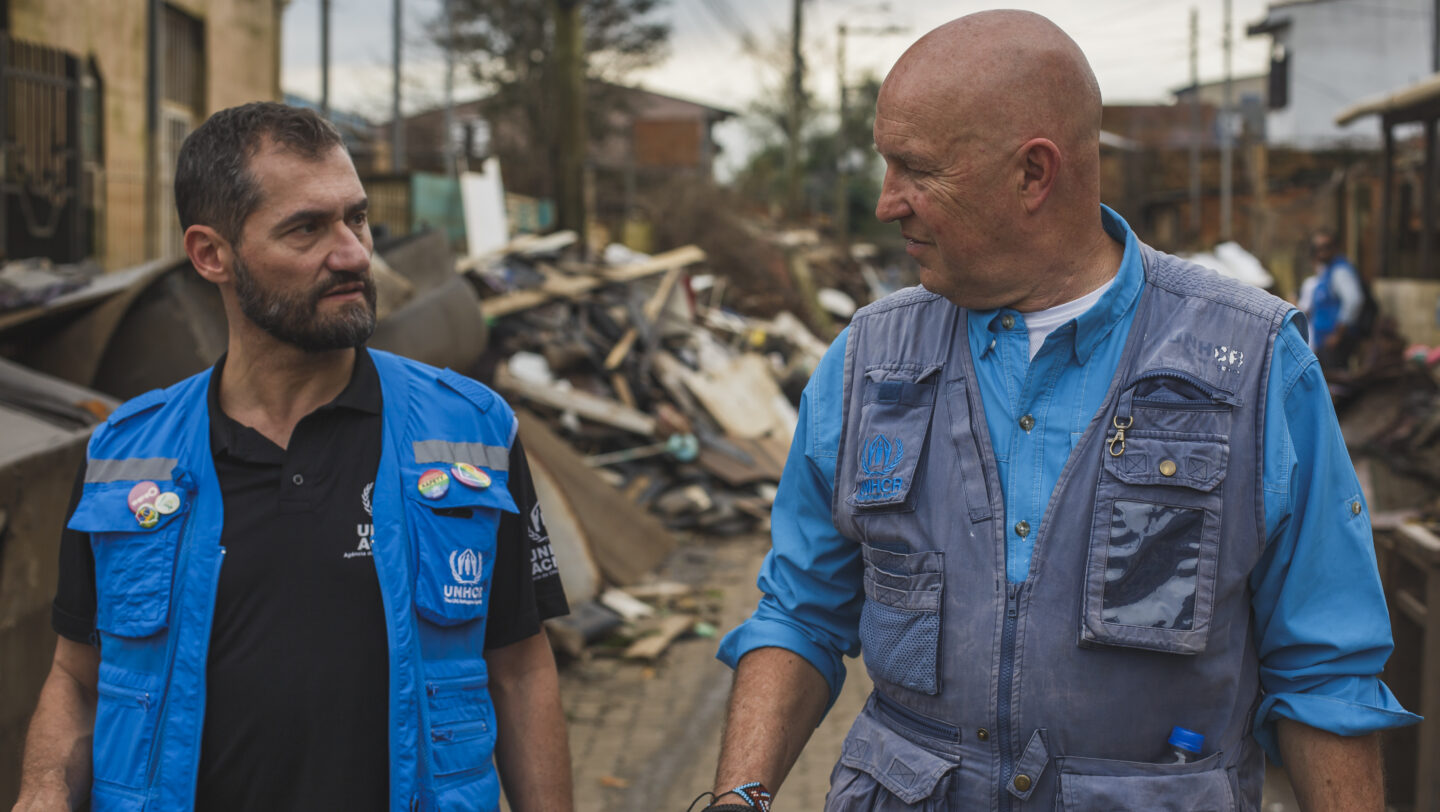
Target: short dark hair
{"type": "Point", "coordinates": [213, 184]}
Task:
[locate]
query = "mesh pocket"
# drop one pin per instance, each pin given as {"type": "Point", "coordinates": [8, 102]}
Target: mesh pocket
{"type": "Point", "coordinates": [901, 645]}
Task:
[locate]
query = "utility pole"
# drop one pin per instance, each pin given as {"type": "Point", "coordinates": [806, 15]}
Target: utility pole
{"type": "Point", "coordinates": [797, 89]}
{"type": "Point", "coordinates": [570, 95]}
{"type": "Point", "coordinates": [1196, 223]}
{"type": "Point", "coordinates": [1435, 39]}
{"type": "Point", "coordinates": [842, 159]}
{"type": "Point", "coordinates": [397, 124]}
{"type": "Point", "coordinates": [450, 151]}
{"type": "Point", "coordinates": [325, 58]}
{"type": "Point", "coordinates": [1227, 148]}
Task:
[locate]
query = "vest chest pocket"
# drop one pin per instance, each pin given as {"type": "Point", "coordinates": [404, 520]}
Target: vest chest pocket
{"type": "Point", "coordinates": [454, 541]}
{"type": "Point", "coordinates": [134, 564]}
{"type": "Point", "coordinates": [1154, 543]}
{"type": "Point", "coordinates": [895, 414]}
{"type": "Point", "coordinates": [900, 620]}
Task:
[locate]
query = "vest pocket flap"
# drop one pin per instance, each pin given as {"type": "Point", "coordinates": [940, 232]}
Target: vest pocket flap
{"type": "Point", "coordinates": [895, 412]}
{"type": "Point", "coordinates": [1199, 786]}
{"type": "Point", "coordinates": [134, 564]}
{"type": "Point", "coordinates": [105, 508]}
{"type": "Point", "coordinates": [907, 770]}
{"type": "Point", "coordinates": [436, 487]}
{"type": "Point", "coordinates": [1160, 458]}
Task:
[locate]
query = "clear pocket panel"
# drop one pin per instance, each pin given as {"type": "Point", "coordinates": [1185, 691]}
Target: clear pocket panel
{"type": "Point", "coordinates": [1154, 545]}
{"type": "Point", "coordinates": [1151, 565]}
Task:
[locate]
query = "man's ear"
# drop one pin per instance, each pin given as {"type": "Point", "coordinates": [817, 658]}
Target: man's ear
{"type": "Point", "coordinates": [1039, 167]}
{"type": "Point", "coordinates": [209, 252]}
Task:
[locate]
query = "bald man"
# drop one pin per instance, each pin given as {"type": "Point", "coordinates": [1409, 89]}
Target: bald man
{"type": "Point", "coordinates": [1083, 506]}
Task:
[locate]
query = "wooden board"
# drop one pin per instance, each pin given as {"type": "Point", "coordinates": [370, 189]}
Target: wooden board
{"type": "Point", "coordinates": [624, 540]}
{"type": "Point", "coordinates": [648, 648]}
{"type": "Point", "coordinates": [588, 406]}
{"type": "Point", "coordinates": [558, 285]}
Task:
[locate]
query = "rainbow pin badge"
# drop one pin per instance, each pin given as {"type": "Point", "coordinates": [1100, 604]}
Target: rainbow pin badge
{"type": "Point", "coordinates": [147, 516]}
{"type": "Point", "coordinates": [434, 483]}
{"type": "Point", "coordinates": [470, 476]}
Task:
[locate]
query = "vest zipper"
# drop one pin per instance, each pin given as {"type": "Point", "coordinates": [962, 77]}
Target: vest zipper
{"type": "Point", "coordinates": [1007, 679]}
{"type": "Point", "coordinates": [1217, 396]}
{"type": "Point", "coordinates": [170, 645]}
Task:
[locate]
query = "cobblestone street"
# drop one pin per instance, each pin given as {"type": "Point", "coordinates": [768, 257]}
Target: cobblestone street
{"type": "Point", "coordinates": [645, 738]}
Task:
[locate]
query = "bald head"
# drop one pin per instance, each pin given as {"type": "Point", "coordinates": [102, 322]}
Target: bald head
{"type": "Point", "coordinates": [990, 130]}
{"type": "Point", "coordinates": [1004, 77]}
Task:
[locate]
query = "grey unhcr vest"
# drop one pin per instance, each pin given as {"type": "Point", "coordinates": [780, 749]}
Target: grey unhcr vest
{"type": "Point", "coordinates": [1059, 692]}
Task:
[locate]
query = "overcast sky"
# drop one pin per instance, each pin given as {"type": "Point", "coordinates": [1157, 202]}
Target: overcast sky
{"type": "Point", "coordinates": [1139, 49]}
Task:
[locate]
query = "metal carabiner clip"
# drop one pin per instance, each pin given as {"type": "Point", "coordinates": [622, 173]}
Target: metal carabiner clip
{"type": "Point", "coordinates": [1119, 434]}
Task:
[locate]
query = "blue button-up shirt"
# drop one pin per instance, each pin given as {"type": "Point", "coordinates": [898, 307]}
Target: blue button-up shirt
{"type": "Point", "coordinates": [1321, 628]}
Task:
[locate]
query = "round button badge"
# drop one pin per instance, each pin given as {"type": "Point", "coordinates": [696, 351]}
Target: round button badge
{"type": "Point", "coordinates": [469, 475]}
{"type": "Point", "coordinates": [143, 493]}
{"type": "Point", "coordinates": [167, 503]}
{"type": "Point", "coordinates": [147, 516]}
{"type": "Point", "coordinates": [434, 483]}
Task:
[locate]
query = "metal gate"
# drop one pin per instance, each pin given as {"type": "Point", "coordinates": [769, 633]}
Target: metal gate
{"type": "Point", "coordinates": [42, 187]}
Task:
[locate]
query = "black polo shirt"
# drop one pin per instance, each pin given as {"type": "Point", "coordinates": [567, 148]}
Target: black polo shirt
{"type": "Point", "coordinates": [297, 705]}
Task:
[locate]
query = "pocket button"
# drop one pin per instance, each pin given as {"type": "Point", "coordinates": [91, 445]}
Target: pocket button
{"type": "Point", "coordinates": [1167, 468]}
{"type": "Point", "coordinates": [1022, 782]}
{"type": "Point", "coordinates": [982, 734]}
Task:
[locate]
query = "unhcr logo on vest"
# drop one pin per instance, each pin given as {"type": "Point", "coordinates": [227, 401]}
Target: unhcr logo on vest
{"type": "Point", "coordinates": [878, 459]}
{"type": "Point", "coordinates": [465, 566]}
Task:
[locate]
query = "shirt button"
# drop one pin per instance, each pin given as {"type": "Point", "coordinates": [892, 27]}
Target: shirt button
{"type": "Point", "coordinates": [1022, 528]}
{"type": "Point", "coordinates": [1167, 468]}
{"type": "Point", "coordinates": [1022, 782]}
{"type": "Point", "coordinates": [297, 479]}
{"type": "Point", "coordinates": [1027, 422]}
{"type": "Point", "coordinates": [1007, 321]}
{"type": "Point", "coordinates": [982, 734]}
{"type": "Point", "coordinates": [1355, 508]}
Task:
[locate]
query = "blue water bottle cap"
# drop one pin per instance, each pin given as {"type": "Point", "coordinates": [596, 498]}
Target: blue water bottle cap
{"type": "Point", "coordinates": [1187, 740]}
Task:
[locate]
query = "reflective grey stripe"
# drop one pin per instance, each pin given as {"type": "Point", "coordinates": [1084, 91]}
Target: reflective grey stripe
{"type": "Point", "coordinates": [128, 469]}
{"type": "Point", "coordinates": [486, 456]}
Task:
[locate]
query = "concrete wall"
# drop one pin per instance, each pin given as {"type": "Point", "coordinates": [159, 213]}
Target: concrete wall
{"type": "Point", "coordinates": [1342, 52]}
{"type": "Point", "coordinates": [242, 52]}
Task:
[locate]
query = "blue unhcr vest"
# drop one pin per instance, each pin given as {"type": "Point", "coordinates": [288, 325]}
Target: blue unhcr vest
{"type": "Point", "coordinates": [1059, 693]}
{"type": "Point", "coordinates": [156, 588]}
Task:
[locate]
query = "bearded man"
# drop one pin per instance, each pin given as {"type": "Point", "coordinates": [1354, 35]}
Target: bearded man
{"type": "Point", "coordinates": [300, 579]}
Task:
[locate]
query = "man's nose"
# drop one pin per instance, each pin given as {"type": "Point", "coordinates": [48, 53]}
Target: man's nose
{"type": "Point", "coordinates": [892, 205]}
{"type": "Point", "coordinates": [350, 252]}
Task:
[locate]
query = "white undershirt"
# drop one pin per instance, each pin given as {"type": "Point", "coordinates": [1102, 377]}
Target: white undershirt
{"type": "Point", "coordinates": [1042, 323]}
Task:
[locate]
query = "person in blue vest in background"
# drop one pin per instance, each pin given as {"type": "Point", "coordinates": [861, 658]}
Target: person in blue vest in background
{"type": "Point", "coordinates": [1082, 506]}
{"type": "Point", "coordinates": [303, 578]}
{"type": "Point", "coordinates": [1333, 299]}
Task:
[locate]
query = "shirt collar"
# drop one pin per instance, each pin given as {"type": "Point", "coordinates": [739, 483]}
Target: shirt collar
{"type": "Point", "coordinates": [361, 394]}
{"type": "Point", "coordinates": [1095, 324]}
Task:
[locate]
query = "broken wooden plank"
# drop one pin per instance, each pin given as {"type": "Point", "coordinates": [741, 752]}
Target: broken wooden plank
{"type": "Point", "coordinates": [624, 540]}
{"type": "Point", "coordinates": [587, 406]}
{"type": "Point", "coordinates": [626, 605]}
{"type": "Point", "coordinates": [657, 302]}
{"type": "Point", "coordinates": [621, 349]}
{"type": "Point", "coordinates": [678, 258]}
{"type": "Point", "coordinates": [622, 390]}
{"type": "Point", "coordinates": [648, 648]}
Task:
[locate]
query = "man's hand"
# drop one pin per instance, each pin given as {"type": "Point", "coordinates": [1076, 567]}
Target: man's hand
{"type": "Point", "coordinates": [776, 703]}
{"type": "Point", "coordinates": [55, 773]}
{"type": "Point", "coordinates": [532, 751]}
{"type": "Point", "coordinates": [1332, 773]}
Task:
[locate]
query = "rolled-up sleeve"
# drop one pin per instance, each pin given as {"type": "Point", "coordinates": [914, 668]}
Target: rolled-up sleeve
{"type": "Point", "coordinates": [811, 579]}
{"type": "Point", "coordinates": [1321, 625]}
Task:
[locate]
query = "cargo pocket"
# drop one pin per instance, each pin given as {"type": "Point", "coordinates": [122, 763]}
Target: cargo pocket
{"type": "Point", "coordinates": [1154, 544]}
{"type": "Point", "coordinates": [900, 619]}
{"type": "Point", "coordinates": [897, 404]}
{"type": "Point", "coordinates": [462, 719]}
{"type": "Point", "coordinates": [1100, 785]}
{"type": "Point", "coordinates": [125, 720]}
{"type": "Point", "coordinates": [454, 536]}
{"type": "Point", "coordinates": [880, 769]}
{"type": "Point", "coordinates": [134, 565]}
